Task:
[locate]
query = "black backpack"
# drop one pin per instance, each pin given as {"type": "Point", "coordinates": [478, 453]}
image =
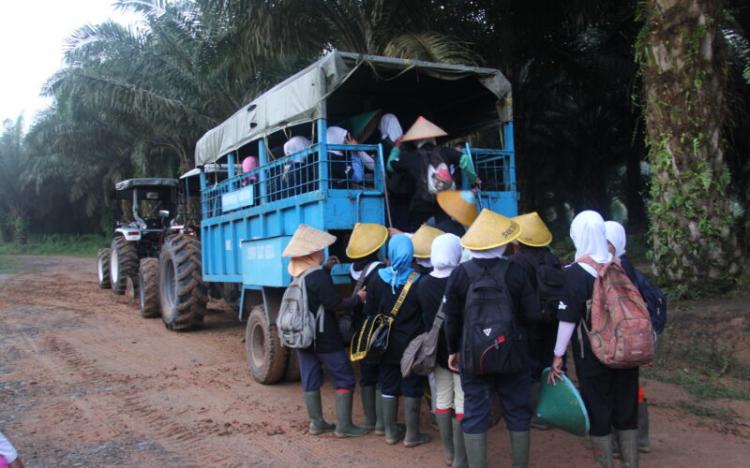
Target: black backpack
{"type": "Point", "coordinates": [491, 339]}
{"type": "Point", "coordinates": [550, 287]}
{"type": "Point", "coordinates": [656, 301]}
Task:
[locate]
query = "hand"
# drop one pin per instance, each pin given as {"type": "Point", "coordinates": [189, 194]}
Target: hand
{"type": "Point", "coordinates": [362, 293]}
{"type": "Point", "coordinates": [453, 360]}
{"type": "Point", "coordinates": [397, 143]}
{"type": "Point", "coordinates": [392, 231]}
{"type": "Point", "coordinates": [556, 370]}
{"type": "Point", "coordinates": [350, 140]}
{"type": "Point", "coordinates": [330, 262]}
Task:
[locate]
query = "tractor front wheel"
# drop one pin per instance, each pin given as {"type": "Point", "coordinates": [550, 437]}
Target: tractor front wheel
{"type": "Point", "coordinates": [148, 288]}
{"type": "Point", "coordinates": [102, 268]}
{"type": "Point", "coordinates": [183, 294]}
{"type": "Point", "coordinates": [123, 264]}
{"type": "Point", "coordinates": [266, 357]}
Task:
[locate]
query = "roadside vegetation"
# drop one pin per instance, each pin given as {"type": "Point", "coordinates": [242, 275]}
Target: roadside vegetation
{"type": "Point", "coordinates": [54, 244]}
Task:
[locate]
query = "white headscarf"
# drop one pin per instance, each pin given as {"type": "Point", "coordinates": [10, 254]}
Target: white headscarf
{"type": "Point", "coordinates": [336, 136]}
{"type": "Point", "coordinates": [616, 236]}
{"type": "Point", "coordinates": [445, 255]}
{"type": "Point", "coordinates": [497, 252]}
{"type": "Point", "coordinates": [390, 127]}
{"type": "Point", "coordinates": [589, 236]}
{"type": "Point", "coordinates": [295, 144]}
{"type": "Point", "coordinates": [424, 262]}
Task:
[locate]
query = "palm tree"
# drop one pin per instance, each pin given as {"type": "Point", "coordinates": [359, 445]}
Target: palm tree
{"type": "Point", "coordinates": [684, 67]}
{"type": "Point", "coordinates": [14, 200]}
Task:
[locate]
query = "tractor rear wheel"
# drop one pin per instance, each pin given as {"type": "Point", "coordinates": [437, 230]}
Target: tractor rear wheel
{"type": "Point", "coordinates": [183, 294]}
{"type": "Point", "coordinates": [266, 357]}
{"type": "Point", "coordinates": [123, 264]}
{"type": "Point", "coordinates": [148, 288]}
{"type": "Point", "coordinates": [102, 268]}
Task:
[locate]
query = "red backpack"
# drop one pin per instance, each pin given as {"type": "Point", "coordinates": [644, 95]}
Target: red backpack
{"type": "Point", "coordinates": [621, 333]}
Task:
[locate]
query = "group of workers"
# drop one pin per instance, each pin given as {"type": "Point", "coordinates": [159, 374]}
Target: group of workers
{"type": "Point", "coordinates": [431, 271]}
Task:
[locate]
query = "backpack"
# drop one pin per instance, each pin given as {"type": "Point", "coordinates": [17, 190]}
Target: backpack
{"type": "Point", "coordinates": [491, 339]}
{"type": "Point", "coordinates": [656, 301]}
{"type": "Point", "coordinates": [550, 282]}
{"type": "Point", "coordinates": [295, 322]}
{"type": "Point", "coordinates": [621, 333]}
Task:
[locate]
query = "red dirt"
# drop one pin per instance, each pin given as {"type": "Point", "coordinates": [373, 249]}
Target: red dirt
{"type": "Point", "coordinates": [84, 381]}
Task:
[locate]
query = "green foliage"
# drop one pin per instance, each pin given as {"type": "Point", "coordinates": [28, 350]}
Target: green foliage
{"type": "Point", "coordinates": [56, 244]}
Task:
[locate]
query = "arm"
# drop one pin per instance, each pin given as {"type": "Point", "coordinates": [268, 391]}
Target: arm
{"type": "Point", "coordinates": [393, 158]}
{"type": "Point", "coordinates": [367, 160]}
{"type": "Point", "coordinates": [455, 296]}
{"type": "Point", "coordinates": [330, 298]}
{"type": "Point", "coordinates": [525, 297]}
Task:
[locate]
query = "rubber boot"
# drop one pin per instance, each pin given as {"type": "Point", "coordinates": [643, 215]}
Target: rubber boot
{"type": "Point", "coordinates": [411, 414]}
{"type": "Point", "coordinates": [445, 426]}
{"type": "Point", "coordinates": [459, 448]}
{"type": "Point", "coordinates": [393, 433]}
{"type": "Point", "coordinates": [629, 448]}
{"type": "Point", "coordinates": [519, 448]}
{"type": "Point", "coordinates": [318, 425]}
{"type": "Point", "coordinates": [369, 407]}
{"type": "Point", "coordinates": [344, 426]}
{"type": "Point", "coordinates": [536, 422]}
{"type": "Point", "coordinates": [476, 449]}
{"type": "Point", "coordinates": [379, 428]}
{"type": "Point", "coordinates": [644, 441]}
{"type": "Point", "coordinates": [602, 447]}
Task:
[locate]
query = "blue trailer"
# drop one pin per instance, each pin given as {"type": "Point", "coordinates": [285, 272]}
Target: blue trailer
{"type": "Point", "coordinates": [248, 218]}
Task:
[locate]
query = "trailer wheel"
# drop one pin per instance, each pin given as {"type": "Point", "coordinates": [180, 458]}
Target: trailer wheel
{"type": "Point", "coordinates": [123, 264]}
{"type": "Point", "coordinates": [148, 288]}
{"type": "Point", "coordinates": [266, 357]}
{"type": "Point", "coordinates": [183, 294]}
{"type": "Point", "coordinates": [102, 268]}
{"type": "Point", "coordinates": [292, 368]}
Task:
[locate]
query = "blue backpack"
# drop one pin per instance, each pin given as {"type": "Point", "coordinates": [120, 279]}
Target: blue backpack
{"type": "Point", "coordinates": [655, 300]}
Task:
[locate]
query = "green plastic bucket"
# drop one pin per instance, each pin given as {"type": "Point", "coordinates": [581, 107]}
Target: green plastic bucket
{"type": "Point", "coordinates": [560, 405]}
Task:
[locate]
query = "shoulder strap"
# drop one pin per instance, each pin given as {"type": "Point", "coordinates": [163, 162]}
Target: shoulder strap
{"type": "Point", "coordinates": [593, 266]}
{"type": "Point", "coordinates": [440, 316]}
{"type": "Point", "coordinates": [362, 277]}
{"type": "Point", "coordinates": [404, 291]}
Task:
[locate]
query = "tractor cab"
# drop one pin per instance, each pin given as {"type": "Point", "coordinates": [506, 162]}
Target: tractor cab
{"type": "Point", "coordinates": [144, 207]}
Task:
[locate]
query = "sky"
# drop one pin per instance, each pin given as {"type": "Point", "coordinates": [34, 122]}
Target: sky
{"type": "Point", "coordinates": [32, 41]}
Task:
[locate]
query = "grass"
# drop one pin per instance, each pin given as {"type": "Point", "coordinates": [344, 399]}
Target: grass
{"type": "Point", "coordinates": [9, 264]}
{"type": "Point", "coordinates": [56, 244]}
{"type": "Point", "coordinates": [722, 414]}
{"type": "Point", "coordinates": [701, 384]}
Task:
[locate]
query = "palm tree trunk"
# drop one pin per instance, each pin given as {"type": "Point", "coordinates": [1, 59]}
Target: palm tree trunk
{"type": "Point", "coordinates": [684, 71]}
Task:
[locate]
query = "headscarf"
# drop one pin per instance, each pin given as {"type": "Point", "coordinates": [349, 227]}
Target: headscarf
{"type": "Point", "coordinates": [296, 144]}
{"type": "Point", "coordinates": [497, 252]}
{"type": "Point", "coordinates": [421, 143]}
{"type": "Point", "coordinates": [589, 236]}
{"type": "Point", "coordinates": [400, 253]}
{"type": "Point", "coordinates": [616, 236]}
{"type": "Point", "coordinates": [390, 127]}
{"type": "Point", "coordinates": [248, 164]}
{"type": "Point", "coordinates": [299, 265]}
{"type": "Point", "coordinates": [445, 255]}
{"type": "Point", "coordinates": [336, 136]}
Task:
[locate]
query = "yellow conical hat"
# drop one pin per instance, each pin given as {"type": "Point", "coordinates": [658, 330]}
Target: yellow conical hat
{"type": "Point", "coordinates": [423, 129]}
{"type": "Point", "coordinates": [307, 240]}
{"type": "Point", "coordinates": [422, 240]}
{"type": "Point", "coordinates": [460, 205]}
{"type": "Point", "coordinates": [365, 239]}
{"type": "Point", "coordinates": [534, 232]}
{"type": "Point", "coordinates": [490, 230]}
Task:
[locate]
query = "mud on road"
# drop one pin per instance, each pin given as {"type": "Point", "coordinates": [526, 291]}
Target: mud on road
{"type": "Point", "coordinates": [85, 381]}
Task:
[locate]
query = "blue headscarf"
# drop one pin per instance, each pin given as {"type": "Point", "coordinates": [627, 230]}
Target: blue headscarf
{"type": "Point", "coordinates": [400, 253]}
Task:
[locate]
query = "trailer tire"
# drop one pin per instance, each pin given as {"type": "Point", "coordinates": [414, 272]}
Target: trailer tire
{"type": "Point", "coordinates": [266, 357]}
{"type": "Point", "coordinates": [148, 288]}
{"type": "Point", "coordinates": [183, 294]}
{"type": "Point", "coordinates": [123, 264]}
{"type": "Point", "coordinates": [292, 373]}
{"type": "Point", "coordinates": [102, 268]}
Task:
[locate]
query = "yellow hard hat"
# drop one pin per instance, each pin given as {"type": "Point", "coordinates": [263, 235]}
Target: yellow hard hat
{"type": "Point", "coordinates": [460, 205]}
{"type": "Point", "coordinates": [307, 240]}
{"type": "Point", "coordinates": [534, 232]}
{"type": "Point", "coordinates": [365, 239]}
{"type": "Point", "coordinates": [422, 240]}
{"type": "Point", "coordinates": [490, 230]}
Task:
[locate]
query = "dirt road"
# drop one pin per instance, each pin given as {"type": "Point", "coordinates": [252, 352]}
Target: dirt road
{"type": "Point", "coordinates": [84, 381]}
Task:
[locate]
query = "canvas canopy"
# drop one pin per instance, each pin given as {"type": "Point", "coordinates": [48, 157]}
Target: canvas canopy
{"type": "Point", "coordinates": [145, 183]}
{"type": "Point", "coordinates": [304, 97]}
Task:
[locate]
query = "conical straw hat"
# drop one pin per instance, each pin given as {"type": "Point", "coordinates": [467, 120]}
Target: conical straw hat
{"type": "Point", "coordinates": [459, 205]}
{"type": "Point", "coordinates": [534, 232]}
{"type": "Point", "coordinates": [490, 230]}
{"type": "Point", "coordinates": [307, 240]}
{"type": "Point", "coordinates": [366, 239]}
{"type": "Point", "coordinates": [423, 129]}
{"type": "Point", "coordinates": [422, 240]}
{"type": "Point", "coordinates": [362, 125]}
